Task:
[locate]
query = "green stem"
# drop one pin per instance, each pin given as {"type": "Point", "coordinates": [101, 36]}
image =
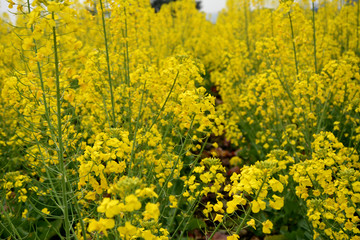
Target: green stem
{"type": "Point", "coordinates": [9, 220]}
{"type": "Point", "coordinates": [217, 227]}
{"type": "Point", "coordinates": [136, 128]}
{"type": "Point", "coordinates": [127, 68]}
{"type": "Point", "coordinates": [60, 148]}
{"type": "Point", "coordinates": [293, 42]}
{"type": "Point", "coordinates": [189, 215]}
{"type": "Point", "coordinates": [47, 111]}
{"type": "Point", "coordinates": [314, 35]}
{"type": "Point", "coordinates": [108, 66]}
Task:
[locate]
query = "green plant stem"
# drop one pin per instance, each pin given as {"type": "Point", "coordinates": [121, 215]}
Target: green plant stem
{"type": "Point", "coordinates": [217, 227]}
{"type": "Point", "coordinates": [136, 128]}
{"type": "Point", "coordinates": [193, 206]}
{"type": "Point", "coordinates": [9, 220]}
{"type": "Point", "coordinates": [108, 66]}
{"type": "Point", "coordinates": [293, 43]}
{"type": "Point", "coordinates": [127, 69]}
{"type": "Point", "coordinates": [47, 111]}
{"type": "Point", "coordinates": [60, 148]}
{"type": "Point", "coordinates": [314, 35]}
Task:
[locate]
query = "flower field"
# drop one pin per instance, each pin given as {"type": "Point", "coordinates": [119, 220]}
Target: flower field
{"type": "Point", "coordinates": [121, 123]}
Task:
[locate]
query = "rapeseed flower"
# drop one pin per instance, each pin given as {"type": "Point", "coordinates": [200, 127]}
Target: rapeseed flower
{"type": "Point", "coordinates": [101, 226]}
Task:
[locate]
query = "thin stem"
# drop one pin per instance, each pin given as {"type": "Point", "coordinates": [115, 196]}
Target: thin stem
{"type": "Point", "coordinates": [137, 127]}
{"type": "Point", "coordinates": [60, 149]}
{"type": "Point", "coordinates": [314, 35]}
{"type": "Point", "coordinates": [217, 227]}
{"type": "Point", "coordinates": [7, 217]}
{"type": "Point", "coordinates": [293, 42]}
{"type": "Point", "coordinates": [193, 206]}
{"type": "Point", "coordinates": [108, 66]}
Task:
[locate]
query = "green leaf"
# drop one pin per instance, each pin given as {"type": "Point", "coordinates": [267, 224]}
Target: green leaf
{"type": "Point", "coordinates": [47, 232]}
{"type": "Point", "coordinates": [195, 223]}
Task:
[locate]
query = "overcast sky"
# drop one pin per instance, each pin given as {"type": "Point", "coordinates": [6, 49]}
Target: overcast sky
{"type": "Point", "coordinates": [208, 6]}
{"type": "Point", "coordinates": [212, 6]}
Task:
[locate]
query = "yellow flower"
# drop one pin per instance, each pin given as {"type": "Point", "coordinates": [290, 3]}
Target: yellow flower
{"type": "Point", "coordinates": [101, 226]}
{"type": "Point", "coordinates": [22, 198]}
{"type": "Point", "coordinates": [132, 203]}
{"type": "Point", "coordinates": [46, 211]}
{"type": "Point", "coordinates": [219, 217]}
{"type": "Point", "coordinates": [145, 193]}
{"type": "Point", "coordinates": [128, 230]}
{"type": "Point", "coordinates": [251, 223]}
{"type": "Point", "coordinates": [24, 213]}
{"type": "Point", "coordinates": [111, 207]}
{"type": "Point", "coordinates": [11, 4]}
{"type": "Point", "coordinates": [278, 203]}
{"type": "Point", "coordinates": [231, 207]}
{"type": "Point", "coordinates": [173, 201]}
{"type": "Point", "coordinates": [356, 186]}
{"type": "Point", "coordinates": [276, 185]}
{"type": "Point", "coordinates": [53, 7]}
{"type": "Point", "coordinates": [233, 237]}
{"type": "Point", "coordinates": [206, 177]}
{"type": "Point", "coordinates": [218, 207]}
{"type": "Point", "coordinates": [28, 43]}
{"type": "Point", "coordinates": [151, 211]}
{"type": "Point", "coordinates": [90, 196]}
{"type": "Point", "coordinates": [147, 235]}
{"type": "Point", "coordinates": [256, 205]}
{"type": "Point", "coordinates": [349, 225]}
{"type": "Point", "coordinates": [267, 226]}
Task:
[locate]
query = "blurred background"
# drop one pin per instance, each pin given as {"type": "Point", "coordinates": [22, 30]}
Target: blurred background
{"type": "Point", "coordinates": [210, 7]}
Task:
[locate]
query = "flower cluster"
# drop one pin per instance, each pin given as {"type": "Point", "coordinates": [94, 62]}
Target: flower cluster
{"type": "Point", "coordinates": [121, 123]}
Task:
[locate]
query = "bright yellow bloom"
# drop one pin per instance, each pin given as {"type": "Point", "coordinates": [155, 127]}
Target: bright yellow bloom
{"type": "Point", "coordinates": [24, 213]}
{"type": "Point", "coordinates": [45, 210]}
{"type": "Point", "coordinates": [147, 235]}
{"type": "Point", "coordinates": [128, 230]}
{"type": "Point", "coordinates": [256, 205]}
{"type": "Point", "coordinates": [267, 226]}
{"type": "Point", "coordinates": [101, 226]}
{"type": "Point", "coordinates": [151, 211]}
{"type": "Point", "coordinates": [219, 217]}
{"type": "Point", "coordinates": [276, 185]}
{"type": "Point", "coordinates": [233, 237]}
{"type": "Point", "coordinates": [218, 207]}
{"type": "Point", "coordinates": [173, 201]}
{"type": "Point", "coordinates": [111, 207]}
{"type": "Point", "coordinates": [251, 223]}
{"type": "Point", "coordinates": [132, 203]}
{"type": "Point", "coordinates": [278, 203]}
{"type": "Point", "coordinates": [22, 198]}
